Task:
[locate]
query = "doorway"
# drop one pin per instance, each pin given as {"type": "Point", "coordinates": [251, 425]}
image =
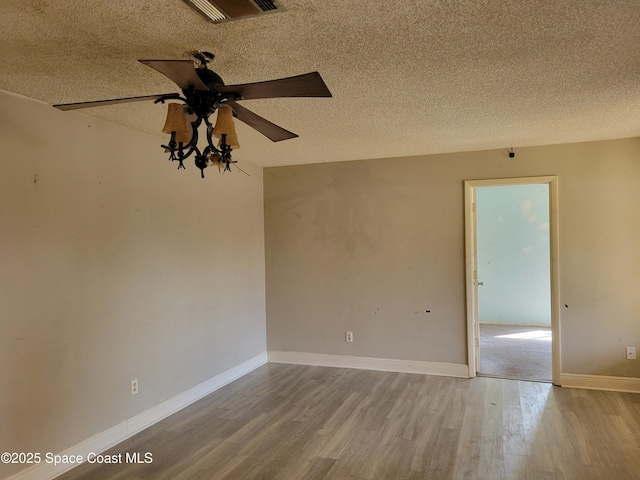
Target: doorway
{"type": "Point", "coordinates": [511, 261]}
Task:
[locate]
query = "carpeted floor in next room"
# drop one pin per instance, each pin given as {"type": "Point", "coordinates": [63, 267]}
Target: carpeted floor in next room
{"type": "Point", "coordinates": [515, 351]}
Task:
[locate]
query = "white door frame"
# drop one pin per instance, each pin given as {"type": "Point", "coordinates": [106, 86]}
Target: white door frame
{"type": "Point", "coordinates": [473, 336]}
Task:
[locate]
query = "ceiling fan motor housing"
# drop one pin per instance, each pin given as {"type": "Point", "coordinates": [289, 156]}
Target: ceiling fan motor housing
{"type": "Point", "coordinates": [205, 102]}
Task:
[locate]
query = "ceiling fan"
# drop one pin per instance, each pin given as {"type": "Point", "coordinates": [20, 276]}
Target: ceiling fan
{"type": "Point", "coordinates": [204, 92]}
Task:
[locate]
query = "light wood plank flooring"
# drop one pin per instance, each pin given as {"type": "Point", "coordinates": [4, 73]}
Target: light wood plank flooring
{"type": "Point", "coordinates": [294, 422]}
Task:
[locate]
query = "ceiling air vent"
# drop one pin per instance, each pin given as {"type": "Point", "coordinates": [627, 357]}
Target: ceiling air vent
{"type": "Point", "coordinates": [224, 10]}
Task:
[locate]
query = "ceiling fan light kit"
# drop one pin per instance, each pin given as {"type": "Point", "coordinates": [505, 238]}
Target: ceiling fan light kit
{"type": "Point", "coordinates": [203, 93]}
{"type": "Point", "coordinates": [184, 136]}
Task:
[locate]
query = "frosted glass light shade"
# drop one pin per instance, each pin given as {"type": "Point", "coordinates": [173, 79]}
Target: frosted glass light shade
{"type": "Point", "coordinates": [224, 122]}
{"type": "Point", "coordinates": [178, 122]}
{"type": "Point", "coordinates": [232, 141]}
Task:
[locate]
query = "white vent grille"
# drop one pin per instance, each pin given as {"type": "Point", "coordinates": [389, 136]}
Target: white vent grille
{"type": "Point", "coordinates": [224, 10]}
{"type": "Point", "coordinates": [209, 10]}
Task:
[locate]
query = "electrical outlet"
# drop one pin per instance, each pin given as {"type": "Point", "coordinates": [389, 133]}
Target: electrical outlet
{"type": "Point", "coordinates": [631, 353]}
{"type": "Point", "coordinates": [349, 337]}
{"type": "Point", "coordinates": [134, 386]}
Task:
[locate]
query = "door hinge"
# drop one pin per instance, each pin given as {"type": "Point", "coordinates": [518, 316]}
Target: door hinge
{"type": "Point", "coordinates": [477, 342]}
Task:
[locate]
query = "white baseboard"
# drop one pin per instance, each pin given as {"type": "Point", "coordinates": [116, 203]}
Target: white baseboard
{"type": "Point", "coordinates": [600, 382]}
{"type": "Point", "coordinates": [116, 434]}
{"type": "Point", "coordinates": [367, 363]}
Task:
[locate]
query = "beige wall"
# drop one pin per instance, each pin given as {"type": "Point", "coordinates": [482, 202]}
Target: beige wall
{"type": "Point", "coordinates": [114, 266]}
{"type": "Point", "coordinates": [370, 245]}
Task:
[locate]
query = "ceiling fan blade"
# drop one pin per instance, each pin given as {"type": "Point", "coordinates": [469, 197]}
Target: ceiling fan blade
{"type": "Point", "coordinates": [265, 127]}
{"type": "Point", "coordinates": [113, 101]}
{"type": "Point", "coordinates": [181, 72]}
{"type": "Point", "coordinates": [306, 85]}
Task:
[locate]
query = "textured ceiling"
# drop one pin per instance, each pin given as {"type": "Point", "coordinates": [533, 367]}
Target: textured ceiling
{"type": "Point", "coordinates": [408, 77]}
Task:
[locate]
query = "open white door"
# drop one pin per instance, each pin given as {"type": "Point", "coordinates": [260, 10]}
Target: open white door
{"type": "Point", "coordinates": [471, 262]}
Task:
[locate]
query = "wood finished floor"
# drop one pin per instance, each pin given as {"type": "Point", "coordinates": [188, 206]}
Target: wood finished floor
{"type": "Point", "coordinates": [294, 422]}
